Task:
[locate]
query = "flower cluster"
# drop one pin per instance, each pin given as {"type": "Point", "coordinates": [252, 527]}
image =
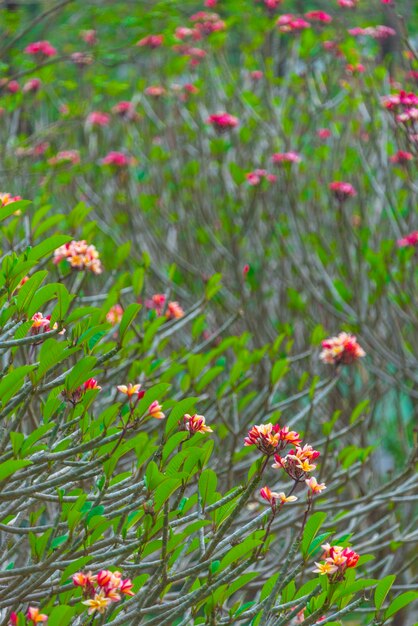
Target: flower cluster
{"type": "Point", "coordinates": [65, 157]}
{"type": "Point", "coordinates": [289, 23]}
{"type": "Point", "coordinates": [114, 315]}
{"type": "Point", "coordinates": [298, 463]}
{"type": "Point", "coordinates": [270, 439]}
{"type": "Point", "coordinates": [337, 561]}
{"type": "Point", "coordinates": [157, 304]}
{"type": "Point", "coordinates": [401, 157]}
{"type": "Point", "coordinates": [222, 121]}
{"type": "Point", "coordinates": [41, 324]}
{"type": "Point", "coordinates": [319, 16]}
{"type": "Point", "coordinates": [207, 23]}
{"type": "Point", "coordinates": [341, 350]}
{"type": "Point", "coordinates": [408, 240]}
{"type": "Point", "coordinates": [279, 158]}
{"type": "Point", "coordinates": [117, 159]}
{"type": "Point", "coordinates": [342, 191]}
{"type": "Point", "coordinates": [125, 109]}
{"type": "Point", "coordinates": [151, 41]}
{"type": "Point", "coordinates": [196, 424]}
{"type": "Point", "coordinates": [256, 177]}
{"type": "Point", "coordinates": [80, 256]}
{"type": "Point", "coordinates": [102, 589]}
{"type": "Point", "coordinates": [41, 49]}
{"type": "Point", "coordinates": [97, 118]}
{"type": "Point", "coordinates": [376, 32]}
{"type": "Point", "coordinates": [273, 497]}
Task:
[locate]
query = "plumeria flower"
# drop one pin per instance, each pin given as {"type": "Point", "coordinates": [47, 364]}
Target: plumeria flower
{"type": "Point", "coordinates": [7, 198]}
{"type": "Point", "coordinates": [129, 390]}
{"type": "Point", "coordinates": [115, 314]}
{"type": "Point", "coordinates": [155, 91]}
{"type": "Point", "coordinates": [84, 580]}
{"type": "Point", "coordinates": [155, 410]}
{"type": "Point", "coordinates": [289, 23]}
{"type": "Point", "coordinates": [80, 256]}
{"type": "Point", "coordinates": [341, 350]}
{"type": "Point", "coordinates": [91, 384]}
{"type": "Point", "coordinates": [34, 616]}
{"type": "Point", "coordinates": [174, 311]}
{"type": "Point", "coordinates": [196, 424]}
{"type": "Point", "coordinates": [314, 486]}
{"type": "Point", "coordinates": [319, 16]}
{"type": "Point", "coordinates": [99, 603]}
{"type": "Point", "coordinates": [126, 587]}
{"type": "Point", "coordinates": [269, 439]}
{"type": "Point", "coordinates": [298, 463]}
{"type": "Point", "coordinates": [32, 86]}
{"type": "Point", "coordinates": [117, 159]}
{"type": "Point", "coordinates": [41, 323]}
{"type": "Point", "coordinates": [273, 496]}
{"type": "Point", "coordinates": [325, 568]}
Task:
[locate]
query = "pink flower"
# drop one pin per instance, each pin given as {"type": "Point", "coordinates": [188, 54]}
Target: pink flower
{"type": "Point", "coordinates": [337, 560]}
{"type": "Point", "coordinates": [207, 23]}
{"type": "Point", "coordinates": [89, 36]}
{"type": "Point", "coordinates": [13, 619]}
{"type": "Point", "coordinates": [155, 91]}
{"type": "Point", "coordinates": [354, 69]}
{"type": "Point", "coordinates": [324, 133]}
{"type": "Point", "coordinates": [97, 118]}
{"type": "Point", "coordinates": [35, 617]}
{"type": "Point", "coordinates": [41, 49]}
{"type": "Point", "coordinates": [347, 4]}
{"type": "Point", "coordinates": [32, 86]}
{"type": "Point", "coordinates": [183, 32]}
{"type": "Point", "coordinates": [210, 4]}
{"type": "Point", "coordinates": [255, 178]}
{"type": "Point", "coordinates": [125, 110]}
{"type": "Point", "coordinates": [272, 5]}
{"type": "Point", "coordinates": [245, 270]}
{"type": "Point", "coordinates": [155, 410]}
{"type": "Point", "coordinates": [13, 86]}
{"type": "Point", "coordinates": [151, 41]}
{"type": "Point", "coordinates": [114, 315]}
{"type": "Point", "coordinates": [341, 350]}
{"type": "Point", "coordinates": [81, 59]}
{"type": "Point", "coordinates": [401, 157]}
{"type": "Point", "coordinates": [314, 486]}
{"type": "Point", "coordinates": [319, 16]}
{"type": "Point", "coordinates": [80, 256]}
{"type": "Point", "coordinates": [174, 311]}
{"type": "Point", "coordinates": [256, 75]}
{"type": "Point", "coordinates": [289, 23]}
{"type": "Point", "coordinates": [117, 159]}
{"type": "Point", "coordinates": [71, 157]}
{"type": "Point", "coordinates": [222, 121]}
{"type": "Point", "coordinates": [285, 157]}
{"type": "Point", "coordinates": [196, 424]}
{"type": "Point", "coordinates": [408, 240]}
{"type": "Point", "coordinates": [270, 439]}
{"type": "Point", "coordinates": [91, 383]}
{"type": "Point", "coordinates": [126, 587]}
{"type": "Point", "coordinates": [342, 190]}
{"type": "Point", "coordinates": [7, 198]}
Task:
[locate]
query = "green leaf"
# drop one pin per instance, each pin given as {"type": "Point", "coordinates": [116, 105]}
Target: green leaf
{"type": "Point", "coordinates": [12, 382]}
{"type": "Point", "coordinates": [213, 286]}
{"type": "Point", "coordinates": [28, 290]}
{"type": "Point", "coordinates": [400, 602]}
{"type": "Point", "coordinates": [58, 541]}
{"type": "Point", "coordinates": [311, 529]}
{"type": "Point", "coordinates": [178, 411]}
{"type": "Point", "coordinates": [382, 589]}
{"type": "Point", "coordinates": [9, 209]}
{"type": "Point", "coordinates": [10, 467]}
{"type": "Point", "coordinates": [61, 615]}
{"type": "Point", "coordinates": [47, 247]}
{"type": "Point", "coordinates": [208, 481]}
{"type": "Point", "coordinates": [280, 368]}
{"type": "Point", "coordinates": [80, 373]}
{"type": "Point", "coordinates": [128, 317]}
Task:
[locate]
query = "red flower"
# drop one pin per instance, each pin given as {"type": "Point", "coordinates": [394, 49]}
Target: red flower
{"type": "Point", "coordinates": [32, 86]}
{"type": "Point", "coordinates": [41, 49]}
{"type": "Point", "coordinates": [343, 349]}
{"type": "Point", "coordinates": [319, 16]}
{"type": "Point", "coordinates": [117, 159]}
{"type": "Point", "coordinates": [222, 121]}
{"type": "Point", "coordinates": [289, 23]}
{"type": "Point", "coordinates": [89, 36]}
{"type": "Point", "coordinates": [97, 118]}
{"type": "Point", "coordinates": [286, 157]}
{"type": "Point", "coordinates": [342, 190]}
{"type": "Point", "coordinates": [151, 41]}
{"type": "Point", "coordinates": [408, 240]}
{"type": "Point", "coordinates": [324, 133]}
{"type": "Point", "coordinates": [401, 157]}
